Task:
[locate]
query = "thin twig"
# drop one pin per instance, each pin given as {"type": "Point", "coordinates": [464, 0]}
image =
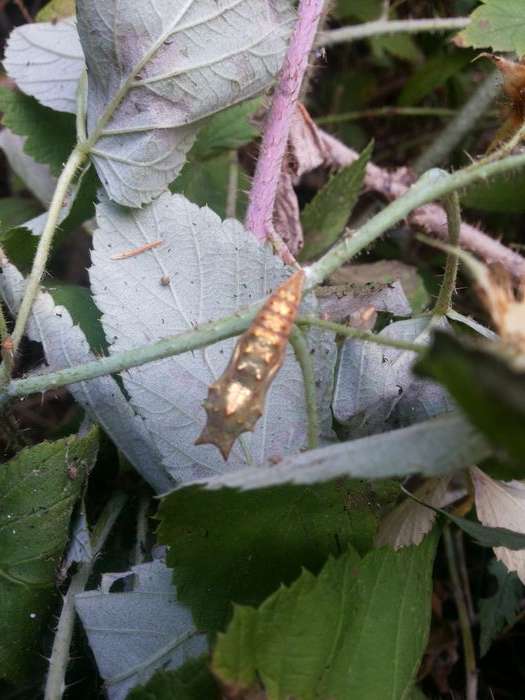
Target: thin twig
{"type": "Point", "coordinates": [357, 334]}
{"type": "Point", "coordinates": [55, 682]}
{"type": "Point", "coordinates": [471, 672]}
{"type": "Point", "coordinates": [448, 286]}
{"type": "Point", "coordinates": [385, 26]}
{"type": "Point", "coordinates": [205, 335]}
{"type": "Point", "coordinates": [390, 111]}
{"type": "Point", "coordinates": [472, 111]}
{"type": "Point", "coordinates": [428, 216]}
{"type": "Point", "coordinates": [275, 137]}
{"type": "Point", "coordinates": [463, 572]}
{"type": "Point", "coordinates": [304, 358]}
{"type": "Point", "coordinates": [73, 163]}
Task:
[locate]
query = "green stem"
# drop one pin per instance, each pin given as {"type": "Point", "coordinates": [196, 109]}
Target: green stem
{"type": "Point", "coordinates": [73, 163]}
{"type": "Point", "coordinates": [448, 287]}
{"type": "Point", "coordinates": [207, 334]}
{"type": "Point", "coordinates": [385, 26]}
{"type": "Point", "coordinates": [55, 682]}
{"type": "Point", "coordinates": [471, 672]}
{"type": "Point", "coordinates": [435, 184]}
{"type": "Point", "coordinates": [175, 345]}
{"type": "Point", "coordinates": [304, 358]}
{"type": "Point", "coordinates": [355, 333]}
{"type": "Point", "coordinates": [392, 111]}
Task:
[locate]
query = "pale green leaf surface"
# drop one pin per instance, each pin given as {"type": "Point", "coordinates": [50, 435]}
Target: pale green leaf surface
{"type": "Point", "coordinates": [56, 9]}
{"type": "Point", "coordinates": [499, 24]}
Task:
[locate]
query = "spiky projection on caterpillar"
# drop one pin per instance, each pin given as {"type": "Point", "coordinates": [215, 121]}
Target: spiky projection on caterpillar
{"type": "Point", "coordinates": [236, 401]}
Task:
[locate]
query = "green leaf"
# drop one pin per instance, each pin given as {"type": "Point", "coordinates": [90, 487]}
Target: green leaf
{"type": "Point", "coordinates": [206, 183]}
{"type": "Point", "coordinates": [36, 500]}
{"type": "Point", "coordinates": [433, 73]}
{"type": "Point", "coordinates": [51, 135]}
{"type": "Point", "coordinates": [363, 10]}
{"type": "Point", "coordinates": [17, 242]}
{"type": "Point", "coordinates": [324, 218]}
{"type": "Point", "coordinates": [400, 46]}
{"type": "Point", "coordinates": [15, 210]}
{"type": "Point", "coordinates": [501, 194]}
{"type": "Point", "coordinates": [193, 681]}
{"type": "Point", "coordinates": [82, 309]}
{"type": "Point", "coordinates": [483, 536]}
{"type": "Point", "coordinates": [499, 24]}
{"type": "Point", "coordinates": [226, 131]}
{"type": "Point", "coordinates": [490, 392]}
{"type": "Point", "coordinates": [20, 242]}
{"type": "Point", "coordinates": [226, 546]}
{"type": "Point", "coordinates": [55, 10]}
{"type": "Point", "coordinates": [357, 630]}
{"type": "Point", "coordinates": [204, 178]}
{"type": "Point", "coordinates": [501, 608]}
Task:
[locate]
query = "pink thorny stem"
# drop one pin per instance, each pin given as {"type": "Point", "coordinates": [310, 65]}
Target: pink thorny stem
{"type": "Point", "coordinates": [275, 136]}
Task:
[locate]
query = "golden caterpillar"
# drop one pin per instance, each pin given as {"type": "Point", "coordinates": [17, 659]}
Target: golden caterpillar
{"type": "Point", "coordinates": [236, 400]}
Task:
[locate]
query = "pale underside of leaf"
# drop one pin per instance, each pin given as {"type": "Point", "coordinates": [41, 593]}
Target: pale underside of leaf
{"type": "Point", "coordinates": [45, 60]}
{"type": "Point", "coordinates": [171, 289]}
{"type": "Point", "coordinates": [375, 387]}
{"type": "Point", "coordinates": [502, 504]}
{"type": "Point", "coordinates": [442, 444]}
{"type": "Point", "coordinates": [409, 522]}
{"type": "Point", "coordinates": [155, 71]}
{"type": "Point", "coordinates": [65, 345]}
{"type": "Point", "coordinates": [132, 634]}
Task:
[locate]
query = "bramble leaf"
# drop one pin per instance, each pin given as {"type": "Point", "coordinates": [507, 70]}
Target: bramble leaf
{"type": "Point", "coordinates": [325, 217]}
{"type": "Point", "coordinates": [162, 634]}
{"type": "Point", "coordinates": [485, 386]}
{"type": "Point", "coordinates": [50, 135]}
{"type": "Point", "coordinates": [499, 24]}
{"type": "Point", "coordinates": [501, 608]}
{"type": "Point", "coordinates": [36, 501]}
{"type": "Point", "coordinates": [228, 546]}
{"type": "Point", "coordinates": [148, 88]}
{"type": "Point", "coordinates": [172, 288]}
{"type": "Point", "coordinates": [357, 630]}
